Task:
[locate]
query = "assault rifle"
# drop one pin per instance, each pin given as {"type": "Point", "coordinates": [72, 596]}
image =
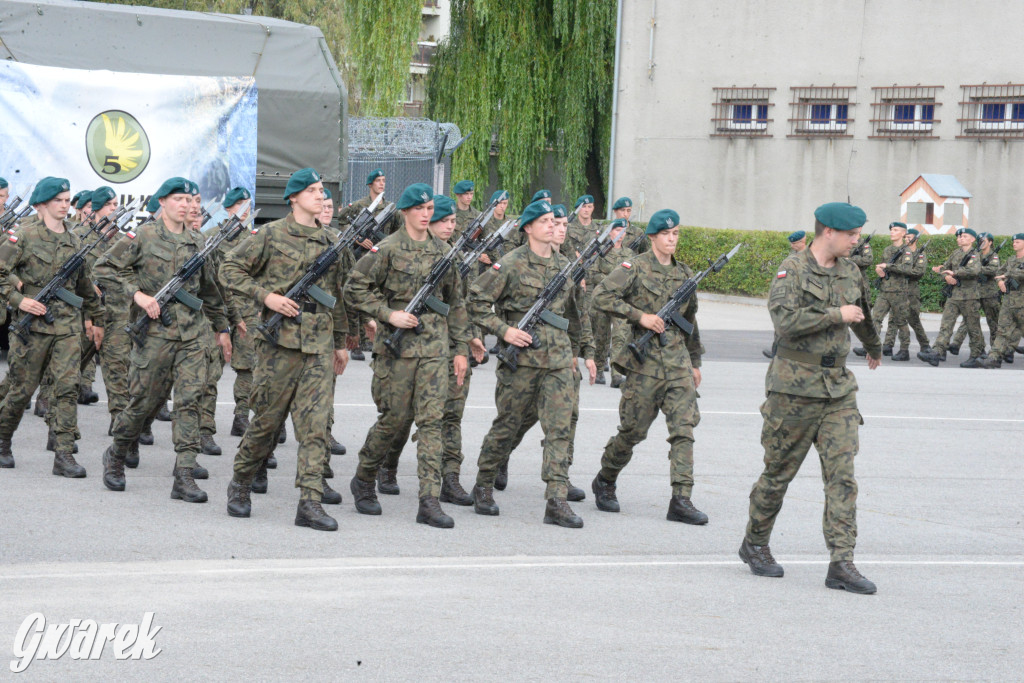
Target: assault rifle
{"type": "Point", "coordinates": [581, 270]}
{"type": "Point", "coordinates": [8, 209]}
{"type": "Point", "coordinates": [985, 260]}
{"type": "Point", "coordinates": [635, 244]}
{"type": "Point", "coordinates": [670, 311]}
{"type": "Point", "coordinates": [54, 289]}
{"type": "Point", "coordinates": [859, 249]}
{"type": "Point", "coordinates": [366, 228]}
{"type": "Point", "coordinates": [306, 288]}
{"type": "Point", "coordinates": [478, 224]}
{"type": "Point", "coordinates": [425, 298]}
{"type": "Point", "coordinates": [497, 238]}
{"type": "Point", "coordinates": [947, 289]}
{"type": "Point", "coordinates": [174, 290]}
{"type": "Point", "coordinates": [539, 313]}
{"type": "Point", "coordinates": [14, 218]}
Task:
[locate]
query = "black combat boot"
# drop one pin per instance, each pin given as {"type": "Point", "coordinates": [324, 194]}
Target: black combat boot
{"type": "Point", "coordinates": [844, 575]}
{"type": "Point", "coordinates": [926, 349]}
{"type": "Point", "coordinates": [239, 504]}
{"type": "Point", "coordinates": [271, 462]}
{"type": "Point", "coordinates": [330, 496]}
{"type": "Point", "coordinates": [886, 349]}
{"type": "Point", "coordinates": [64, 465]}
{"type": "Point", "coordinates": [992, 362]}
{"type": "Point", "coordinates": [328, 472]}
{"type": "Point", "coordinates": [680, 509]}
{"type": "Point", "coordinates": [486, 357]}
{"type": "Point", "coordinates": [954, 349]}
{"type": "Point", "coordinates": [164, 414]}
{"type": "Point", "coordinates": [860, 351]}
{"type": "Point", "coordinates": [606, 367]}
{"type": "Point", "coordinates": [357, 354]}
{"type": "Point", "coordinates": [200, 472]}
{"type": "Point", "coordinates": [901, 355]}
{"type": "Point", "coordinates": [185, 488]}
{"type": "Point", "coordinates": [483, 501]}
{"type": "Point", "coordinates": [336, 448]}
{"type": "Point", "coordinates": [364, 496]}
{"type": "Point", "coordinates": [604, 495]}
{"type": "Point", "coordinates": [452, 491]}
{"type": "Point", "coordinates": [86, 396]}
{"type": "Point", "coordinates": [131, 460]}
{"type": "Point", "coordinates": [501, 481]}
{"type": "Point", "coordinates": [260, 482]}
{"type": "Point", "coordinates": [311, 514]}
{"type": "Point", "coordinates": [972, 363]}
{"type": "Point", "coordinates": [51, 442]}
{"type": "Point", "coordinates": [146, 436]}
{"type": "Point", "coordinates": [557, 511]}
{"type": "Point", "coordinates": [575, 494]}
{"type": "Point", "coordinates": [113, 470]}
{"type": "Point", "coordinates": [1008, 357]}
{"type": "Point", "coordinates": [387, 481]}
{"type": "Point", "coordinates": [760, 560]}
{"type": "Point", "coordinates": [600, 377]}
{"type": "Point", "coordinates": [207, 446]}
{"type": "Point", "coordinates": [1019, 349]}
{"type": "Point", "coordinates": [282, 435]}
{"type": "Point", "coordinates": [617, 380]}
{"type": "Point", "coordinates": [430, 512]}
{"type": "Point", "coordinates": [239, 423]}
{"type": "Point", "coordinates": [931, 357]}
{"type": "Point", "coordinates": [6, 455]}
{"type": "Point", "coordinates": [42, 407]}
{"type": "Point", "coordinates": [494, 349]}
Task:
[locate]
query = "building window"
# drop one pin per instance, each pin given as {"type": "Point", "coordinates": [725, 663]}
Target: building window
{"type": "Point", "coordinates": [906, 112]}
{"type": "Point", "coordinates": [821, 112]}
{"type": "Point", "coordinates": [992, 112]}
{"type": "Point", "coordinates": [742, 112]}
{"type": "Point", "coordinates": [952, 213]}
{"type": "Point", "coordinates": [920, 213]}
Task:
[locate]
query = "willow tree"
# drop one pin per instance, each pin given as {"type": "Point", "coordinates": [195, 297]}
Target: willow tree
{"type": "Point", "coordinates": [533, 76]}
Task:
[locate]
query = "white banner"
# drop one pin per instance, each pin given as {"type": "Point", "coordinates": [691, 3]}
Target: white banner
{"type": "Point", "coordinates": [127, 130]}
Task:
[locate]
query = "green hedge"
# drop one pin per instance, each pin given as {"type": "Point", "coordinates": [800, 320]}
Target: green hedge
{"type": "Point", "coordinates": [751, 272]}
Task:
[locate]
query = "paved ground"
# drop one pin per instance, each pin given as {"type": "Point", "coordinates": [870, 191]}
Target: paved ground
{"type": "Point", "coordinates": [629, 595]}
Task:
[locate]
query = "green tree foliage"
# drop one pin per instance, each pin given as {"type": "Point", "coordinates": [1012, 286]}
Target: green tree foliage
{"type": "Point", "coordinates": [537, 76]}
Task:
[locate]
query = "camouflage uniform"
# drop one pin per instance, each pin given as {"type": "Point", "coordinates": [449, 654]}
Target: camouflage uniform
{"type": "Point", "coordinates": [864, 260]}
{"type": "Point", "coordinates": [296, 375]}
{"type": "Point", "coordinates": [87, 375]}
{"type": "Point", "coordinates": [544, 382]}
{"type": "Point", "coordinates": [33, 255]}
{"type": "Point", "coordinates": [462, 221]}
{"type": "Point", "coordinates": [601, 322]}
{"type": "Point", "coordinates": [412, 388]}
{"type": "Point", "coordinates": [913, 276]}
{"type": "Point", "coordinates": [812, 396]}
{"type": "Point", "coordinates": [665, 380]}
{"type": "Point", "coordinates": [1011, 313]}
{"type": "Point", "coordinates": [345, 218]}
{"type": "Point", "coordinates": [892, 295]}
{"type": "Point", "coordinates": [988, 290]}
{"type": "Point", "coordinates": [963, 301]}
{"type": "Point", "coordinates": [636, 235]}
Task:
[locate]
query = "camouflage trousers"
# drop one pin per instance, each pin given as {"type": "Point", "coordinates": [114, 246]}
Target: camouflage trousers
{"type": "Point", "coordinates": [602, 325]}
{"type": "Point", "coordinates": [990, 305]}
{"type": "Point", "coordinates": [87, 375]}
{"type": "Point", "coordinates": [531, 419]}
{"type": "Point", "coordinates": [893, 304]}
{"type": "Point", "coordinates": [913, 322]}
{"type": "Point", "coordinates": [243, 359]}
{"type": "Point", "coordinates": [407, 391]}
{"type": "Point", "coordinates": [287, 380]}
{"type": "Point", "coordinates": [1011, 329]}
{"type": "Point", "coordinates": [156, 368]}
{"type": "Point", "coordinates": [968, 308]}
{"type": "Point", "coordinates": [642, 398]}
{"type": "Point", "coordinates": [208, 402]}
{"type": "Point", "coordinates": [791, 425]}
{"type": "Point", "coordinates": [114, 354]}
{"type": "Point", "coordinates": [548, 393]}
{"type": "Point", "coordinates": [57, 355]}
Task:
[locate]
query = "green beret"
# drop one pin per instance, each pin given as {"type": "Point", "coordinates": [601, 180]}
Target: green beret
{"type": "Point", "coordinates": [898, 224]}
{"type": "Point", "coordinates": [662, 220]}
{"type": "Point", "coordinates": [327, 193]}
{"type": "Point", "coordinates": [3, 183]}
{"type": "Point", "coordinates": [83, 200]}
{"type": "Point", "coordinates": [534, 211]}
{"type": "Point", "coordinates": [48, 188]}
{"type": "Point", "coordinates": [414, 195]}
{"type": "Point", "coordinates": [299, 181]}
{"type": "Point", "coordinates": [540, 194]}
{"type": "Point", "coordinates": [840, 216]}
{"type": "Point", "coordinates": [796, 236]}
{"type": "Point", "coordinates": [498, 193]}
{"type": "Point", "coordinates": [559, 211]}
{"type": "Point", "coordinates": [584, 199]}
{"type": "Point", "coordinates": [235, 195]}
{"type": "Point", "coordinates": [986, 236]}
{"type": "Point", "coordinates": [374, 174]}
{"type": "Point", "coordinates": [443, 207]}
{"type": "Point", "coordinates": [622, 203]}
{"type": "Point", "coordinates": [193, 187]}
{"type": "Point", "coordinates": [101, 196]}
{"type": "Point", "coordinates": [463, 186]}
{"type": "Point", "coordinates": [1018, 236]}
{"type": "Point", "coordinates": [175, 185]}
{"type": "Point", "coordinates": [968, 231]}
{"type": "Point", "coordinates": [619, 223]}
{"type": "Point", "coordinates": [913, 231]}
{"type": "Point", "coordinates": [153, 205]}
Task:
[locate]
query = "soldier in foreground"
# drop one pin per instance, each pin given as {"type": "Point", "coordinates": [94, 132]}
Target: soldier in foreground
{"type": "Point", "coordinates": [797, 243]}
{"type": "Point", "coordinates": [817, 296]}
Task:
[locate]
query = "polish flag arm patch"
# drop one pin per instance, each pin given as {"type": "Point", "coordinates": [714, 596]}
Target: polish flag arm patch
{"type": "Point", "coordinates": [780, 275]}
{"type": "Point", "coordinates": [627, 265]}
{"type": "Point", "coordinates": [374, 249]}
{"type": "Point", "coordinates": [131, 234]}
{"type": "Point", "coordinates": [496, 266]}
{"type": "Point", "coordinates": [13, 238]}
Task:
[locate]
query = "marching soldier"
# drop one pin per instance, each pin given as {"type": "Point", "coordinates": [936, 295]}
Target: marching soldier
{"type": "Point", "coordinates": [334, 447]}
{"type": "Point", "coordinates": [960, 271]}
{"type": "Point", "coordinates": [635, 239]}
{"type": "Point", "coordinates": [135, 268]}
{"type": "Point", "coordinates": [816, 297]}
{"type": "Point", "coordinates": [582, 229]}
{"type": "Point", "coordinates": [464, 211]}
{"type": "Point", "coordinates": [667, 381]}
{"type": "Point", "coordinates": [988, 290]}
{"type": "Point", "coordinates": [413, 387]}
{"type": "Point", "coordinates": [892, 292]}
{"type": "Point", "coordinates": [913, 310]}
{"type": "Point", "coordinates": [295, 375]}
{"type": "Point", "coordinates": [42, 245]}
{"type": "Point", "coordinates": [601, 322]}
{"type": "Point", "coordinates": [1011, 313]}
{"type": "Point", "coordinates": [797, 243]}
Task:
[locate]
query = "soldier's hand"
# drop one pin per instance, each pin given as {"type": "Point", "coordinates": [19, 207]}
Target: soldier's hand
{"type": "Point", "coordinates": [696, 378]}
{"type": "Point", "coordinates": [950, 280]}
{"type": "Point", "coordinates": [147, 304]}
{"type": "Point", "coordinates": [281, 304]}
{"type": "Point", "coordinates": [652, 322]}
{"type": "Point", "coordinates": [340, 360]}
{"type": "Point", "coordinates": [403, 320]}
{"type": "Point", "coordinates": [477, 348]}
{"type": "Point", "coordinates": [97, 336]}
{"type": "Point", "coordinates": [485, 259]}
{"type": "Point", "coordinates": [459, 365]}
{"type": "Point", "coordinates": [880, 269]}
{"type": "Point", "coordinates": [32, 306]}
{"type": "Point", "coordinates": [517, 337]}
{"type": "Point", "coordinates": [851, 313]}
{"type": "Point", "coordinates": [1002, 286]}
{"type": "Point", "coordinates": [592, 369]}
{"type": "Point", "coordinates": [873, 362]}
{"type": "Point", "coordinates": [224, 342]}
{"type": "Point", "coordinates": [242, 329]}
{"type": "Point", "coordinates": [366, 244]}
{"type": "Point", "coordinates": [351, 342]}
{"type": "Point", "coordinates": [370, 328]}
{"type": "Point", "coordinates": [936, 269]}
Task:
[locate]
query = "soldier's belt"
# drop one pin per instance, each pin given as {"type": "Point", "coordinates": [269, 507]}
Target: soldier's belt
{"type": "Point", "coordinates": [811, 358]}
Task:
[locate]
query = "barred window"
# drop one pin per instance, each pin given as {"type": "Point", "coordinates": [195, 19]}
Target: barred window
{"type": "Point", "coordinates": [742, 112]}
{"type": "Point", "coordinates": [905, 112]}
{"type": "Point", "coordinates": [992, 112]}
{"type": "Point", "coordinates": [821, 112]}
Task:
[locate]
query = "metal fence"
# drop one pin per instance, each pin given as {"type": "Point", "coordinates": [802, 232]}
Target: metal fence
{"type": "Point", "coordinates": [408, 150]}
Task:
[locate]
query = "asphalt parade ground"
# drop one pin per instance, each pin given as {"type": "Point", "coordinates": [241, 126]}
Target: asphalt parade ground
{"type": "Point", "coordinates": [631, 595]}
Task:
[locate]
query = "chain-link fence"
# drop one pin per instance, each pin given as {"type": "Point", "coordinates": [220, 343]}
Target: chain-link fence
{"type": "Point", "coordinates": [407, 150]}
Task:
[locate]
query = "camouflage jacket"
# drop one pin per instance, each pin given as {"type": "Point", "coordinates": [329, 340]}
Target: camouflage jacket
{"type": "Point", "coordinates": [804, 304]}
{"type": "Point", "coordinates": [577, 237]}
{"type": "Point", "coordinates": [917, 270]}
{"type": "Point", "coordinates": [865, 259]}
{"type": "Point", "coordinates": [462, 221]}
{"type": "Point", "coordinates": [967, 275]}
{"type": "Point", "coordinates": [33, 255]}
{"type": "Point", "coordinates": [604, 266]}
{"type": "Point", "coordinates": [387, 278]}
{"type": "Point", "coordinates": [113, 302]}
{"type": "Point", "coordinates": [988, 287]}
{"type": "Point", "coordinates": [349, 213]}
{"type": "Point", "coordinates": [511, 287]}
{"type": "Point", "coordinates": [635, 235]}
{"type": "Point", "coordinates": [642, 285]}
{"type": "Point", "coordinates": [145, 261]}
{"type": "Point", "coordinates": [896, 283]}
{"type": "Point", "coordinates": [1013, 269]}
{"type": "Point", "coordinates": [271, 261]}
